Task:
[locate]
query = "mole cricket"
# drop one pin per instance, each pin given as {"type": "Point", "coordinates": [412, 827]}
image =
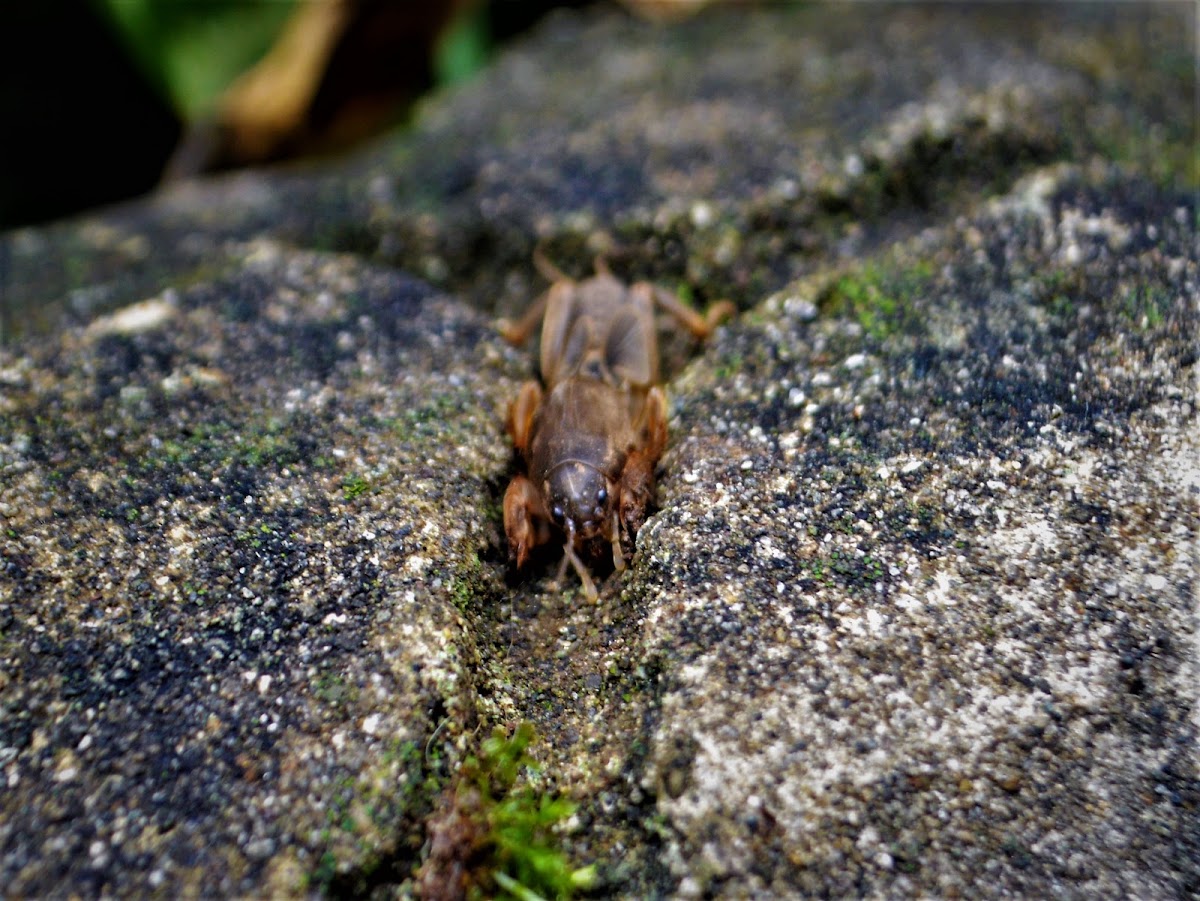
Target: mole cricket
{"type": "Point", "coordinates": [590, 434]}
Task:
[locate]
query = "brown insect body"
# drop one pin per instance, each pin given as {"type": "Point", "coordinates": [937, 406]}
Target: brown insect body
{"type": "Point", "coordinates": [578, 458]}
{"type": "Point", "coordinates": [591, 438]}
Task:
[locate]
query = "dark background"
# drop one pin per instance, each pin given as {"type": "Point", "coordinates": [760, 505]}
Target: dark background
{"type": "Point", "coordinates": [84, 123]}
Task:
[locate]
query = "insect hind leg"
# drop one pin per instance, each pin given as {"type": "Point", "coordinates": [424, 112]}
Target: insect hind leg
{"type": "Point", "coordinates": [700, 326]}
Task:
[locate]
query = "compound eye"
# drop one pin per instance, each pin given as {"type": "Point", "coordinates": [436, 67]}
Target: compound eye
{"type": "Point", "coordinates": [557, 515]}
{"type": "Point", "coordinates": [601, 495]}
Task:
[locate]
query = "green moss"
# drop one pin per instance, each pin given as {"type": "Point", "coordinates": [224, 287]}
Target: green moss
{"type": "Point", "coordinates": [209, 446]}
{"type": "Point", "coordinates": [431, 419]}
{"type": "Point", "coordinates": [325, 870]}
{"type": "Point", "coordinates": [254, 535]}
{"type": "Point", "coordinates": [685, 294]}
{"type": "Point", "coordinates": [460, 594]}
{"type": "Point", "coordinates": [333, 689]}
{"type": "Point", "coordinates": [354, 487]}
{"type": "Point", "coordinates": [729, 366]}
{"type": "Point", "coordinates": [1166, 153]}
{"type": "Point", "coordinates": [467, 583]}
{"type": "Point", "coordinates": [852, 572]}
{"type": "Point", "coordinates": [262, 450]}
{"type": "Point", "coordinates": [526, 862]}
{"type": "Point", "coordinates": [1146, 306]}
{"type": "Point", "coordinates": [1057, 291]}
{"type": "Point", "coordinates": [880, 297]}
{"type": "Point", "coordinates": [502, 828]}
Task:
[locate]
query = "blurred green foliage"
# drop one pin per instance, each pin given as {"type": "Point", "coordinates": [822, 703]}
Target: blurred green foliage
{"type": "Point", "coordinates": [463, 48]}
{"type": "Point", "coordinates": [192, 49]}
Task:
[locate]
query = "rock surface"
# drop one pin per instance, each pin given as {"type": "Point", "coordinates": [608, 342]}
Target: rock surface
{"type": "Point", "coordinates": [916, 616]}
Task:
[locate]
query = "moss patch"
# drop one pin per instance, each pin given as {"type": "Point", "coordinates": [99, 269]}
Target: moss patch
{"type": "Point", "coordinates": [497, 835]}
{"type": "Point", "coordinates": [881, 297]}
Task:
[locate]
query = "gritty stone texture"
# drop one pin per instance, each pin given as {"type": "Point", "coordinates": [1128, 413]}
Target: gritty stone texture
{"type": "Point", "coordinates": [916, 615]}
{"type": "Point", "coordinates": [924, 590]}
{"type": "Point", "coordinates": [230, 563]}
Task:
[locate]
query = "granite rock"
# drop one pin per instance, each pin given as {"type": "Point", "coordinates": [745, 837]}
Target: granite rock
{"type": "Point", "coordinates": [916, 614]}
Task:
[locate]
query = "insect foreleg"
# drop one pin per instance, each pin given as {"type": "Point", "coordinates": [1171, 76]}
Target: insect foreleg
{"type": "Point", "coordinates": [526, 522]}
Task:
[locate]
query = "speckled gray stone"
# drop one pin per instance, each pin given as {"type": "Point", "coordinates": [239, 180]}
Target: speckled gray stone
{"type": "Point", "coordinates": [231, 555]}
{"type": "Point", "coordinates": [915, 616]}
{"type": "Point", "coordinates": [925, 599]}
